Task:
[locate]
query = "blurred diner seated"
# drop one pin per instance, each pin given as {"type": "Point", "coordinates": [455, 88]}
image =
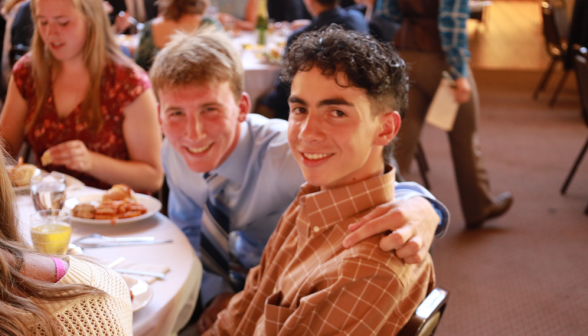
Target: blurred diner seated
{"type": "Point", "coordinates": [237, 14]}
{"type": "Point", "coordinates": [48, 295]}
{"type": "Point", "coordinates": [175, 15]}
{"type": "Point", "coordinates": [84, 107]}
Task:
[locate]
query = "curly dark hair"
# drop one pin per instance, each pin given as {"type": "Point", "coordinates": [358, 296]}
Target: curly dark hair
{"type": "Point", "coordinates": [367, 64]}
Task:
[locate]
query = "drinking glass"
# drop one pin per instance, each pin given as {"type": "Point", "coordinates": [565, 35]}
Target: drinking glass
{"type": "Point", "coordinates": [48, 190]}
{"type": "Point", "coordinates": [51, 231]}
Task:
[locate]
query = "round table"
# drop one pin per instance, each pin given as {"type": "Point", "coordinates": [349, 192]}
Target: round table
{"type": "Point", "coordinates": [175, 297]}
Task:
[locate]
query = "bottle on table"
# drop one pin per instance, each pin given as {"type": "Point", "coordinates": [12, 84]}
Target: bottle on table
{"type": "Point", "coordinates": [262, 21]}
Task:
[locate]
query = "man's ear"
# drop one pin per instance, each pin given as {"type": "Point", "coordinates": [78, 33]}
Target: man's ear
{"type": "Point", "coordinates": [244, 106]}
{"type": "Point", "coordinates": [390, 124]}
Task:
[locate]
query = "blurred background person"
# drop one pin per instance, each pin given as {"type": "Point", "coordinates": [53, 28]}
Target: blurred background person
{"type": "Point", "coordinates": [175, 15]}
{"type": "Point", "coordinates": [77, 97]}
{"type": "Point", "coordinates": [239, 14]}
{"type": "Point", "coordinates": [52, 296]}
{"type": "Point", "coordinates": [432, 39]}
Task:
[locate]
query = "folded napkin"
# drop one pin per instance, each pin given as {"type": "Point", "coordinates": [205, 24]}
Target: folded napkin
{"type": "Point", "coordinates": [143, 267]}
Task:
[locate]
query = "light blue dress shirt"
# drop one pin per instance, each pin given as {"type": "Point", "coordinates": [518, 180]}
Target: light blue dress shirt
{"type": "Point", "coordinates": [263, 179]}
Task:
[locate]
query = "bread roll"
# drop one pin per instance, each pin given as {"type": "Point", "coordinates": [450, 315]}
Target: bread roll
{"type": "Point", "coordinates": [20, 175]}
{"type": "Point", "coordinates": [118, 192]}
{"type": "Point", "coordinates": [46, 159]}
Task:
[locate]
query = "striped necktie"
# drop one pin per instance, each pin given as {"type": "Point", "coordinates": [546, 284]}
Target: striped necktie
{"type": "Point", "coordinates": [214, 241]}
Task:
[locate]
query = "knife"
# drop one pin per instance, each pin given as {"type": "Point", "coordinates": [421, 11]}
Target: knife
{"type": "Point", "coordinates": [131, 243]}
{"type": "Point", "coordinates": [160, 276]}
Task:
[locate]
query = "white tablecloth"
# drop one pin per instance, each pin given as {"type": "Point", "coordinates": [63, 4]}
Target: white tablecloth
{"type": "Point", "coordinates": [175, 297]}
{"type": "Point", "coordinates": [259, 75]}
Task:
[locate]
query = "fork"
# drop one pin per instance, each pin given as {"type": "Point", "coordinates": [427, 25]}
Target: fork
{"type": "Point", "coordinates": [110, 239]}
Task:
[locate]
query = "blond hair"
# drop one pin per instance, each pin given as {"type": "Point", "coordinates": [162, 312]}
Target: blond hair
{"type": "Point", "coordinates": [17, 290]}
{"type": "Point", "coordinates": [99, 48]}
{"type": "Point", "coordinates": [204, 57]}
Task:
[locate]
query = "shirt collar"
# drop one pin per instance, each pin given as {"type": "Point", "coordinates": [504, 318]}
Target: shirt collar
{"type": "Point", "coordinates": [323, 209]}
{"type": "Point", "coordinates": [232, 168]}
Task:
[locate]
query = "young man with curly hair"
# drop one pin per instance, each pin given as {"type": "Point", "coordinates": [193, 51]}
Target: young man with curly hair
{"type": "Point", "coordinates": [346, 89]}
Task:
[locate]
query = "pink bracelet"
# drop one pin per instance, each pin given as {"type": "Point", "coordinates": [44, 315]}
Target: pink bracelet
{"type": "Point", "coordinates": [59, 268]}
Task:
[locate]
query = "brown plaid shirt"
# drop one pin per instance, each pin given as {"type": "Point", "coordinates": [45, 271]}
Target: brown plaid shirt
{"type": "Point", "coordinates": [308, 284]}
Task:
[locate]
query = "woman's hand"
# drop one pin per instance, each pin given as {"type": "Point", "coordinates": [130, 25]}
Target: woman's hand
{"type": "Point", "coordinates": [72, 154]}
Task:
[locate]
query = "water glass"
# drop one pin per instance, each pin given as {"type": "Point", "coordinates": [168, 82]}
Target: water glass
{"type": "Point", "coordinates": [48, 190]}
{"type": "Point", "coordinates": [51, 231]}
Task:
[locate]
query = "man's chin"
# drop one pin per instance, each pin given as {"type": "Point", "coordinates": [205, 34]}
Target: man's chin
{"type": "Point", "coordinates": [200, 166]}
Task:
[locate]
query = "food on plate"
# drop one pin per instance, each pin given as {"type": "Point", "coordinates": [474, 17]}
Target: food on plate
{"type": "Point", "coordinates": [117, 203]}
{"type": "Point", "coordinates": [132, 295]}
{"type": "Point", "coordinates": [46, 159]}
{"type": "Point", "coordinates": [118, 192]}
{"type": "Point", "coordinates": [20, 175]}
{"type": "Point", "coordinates": [84, 210]}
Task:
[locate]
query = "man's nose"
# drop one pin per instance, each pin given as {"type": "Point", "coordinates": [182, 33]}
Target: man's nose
{"type": "Point", "coordinates": [311, 129]}
{"type": "Point", "coordinates": [195, 128]}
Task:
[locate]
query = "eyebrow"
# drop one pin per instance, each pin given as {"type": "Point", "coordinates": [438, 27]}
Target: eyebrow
{"type": "Point", "coordinates": [325, 102]}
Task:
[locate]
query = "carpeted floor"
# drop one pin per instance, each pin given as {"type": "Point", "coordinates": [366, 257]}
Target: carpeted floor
{"type": "Point", "coordinates": [525, 273]}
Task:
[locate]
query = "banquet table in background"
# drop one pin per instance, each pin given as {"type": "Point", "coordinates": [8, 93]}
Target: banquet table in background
{"type": "Point", "coordinates": [175, 297]}
{"type": "Point", "coordinates": [259, 74]}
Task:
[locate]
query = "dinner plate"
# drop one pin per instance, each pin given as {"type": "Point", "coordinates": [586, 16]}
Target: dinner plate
{"type": "Point", "coordinates": [153, 205]}
{"type": "Point", "coordinates": [142, 292]}
{"type": "Point", "coordinates": [70, 182]}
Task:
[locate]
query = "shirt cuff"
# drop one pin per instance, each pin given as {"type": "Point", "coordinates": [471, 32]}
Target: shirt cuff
{"type": "Point", "coordinates": [443, 213]}
{"type": "Point", "coordinates": [407, 190]}
{"type": "Point", "coordinates": [212, 286]}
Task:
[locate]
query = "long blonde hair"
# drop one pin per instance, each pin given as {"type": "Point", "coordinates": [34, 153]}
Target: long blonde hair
{"type": "Point", "coordinates": [99, 48]}
{"type": "Point", "coordinates": [17, 290]}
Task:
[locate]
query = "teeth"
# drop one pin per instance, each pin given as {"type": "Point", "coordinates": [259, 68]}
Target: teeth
{"type": "Point", "coordinates": [315, 156]}
{"type": "Point", "coordinates": [199, 149]}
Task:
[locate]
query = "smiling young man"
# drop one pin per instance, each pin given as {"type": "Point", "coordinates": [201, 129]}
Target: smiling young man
{"type": "Point", "coordinates": [232, 175]}
{"type": "Point", "coordinates": [346, 89]}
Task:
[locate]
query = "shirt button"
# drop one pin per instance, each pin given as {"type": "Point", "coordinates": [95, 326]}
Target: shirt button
{"type": "Point", "coordinates": [316, 229]}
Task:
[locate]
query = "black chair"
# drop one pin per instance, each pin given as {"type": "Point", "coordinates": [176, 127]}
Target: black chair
{"type": "Point", "coordinates": [555, 30]}
{"type": "Point", "coordinates": [16, 52]}
{"type": "Point", "coordinates": [423, 165]}
{"type": "Point", "coordinates": [581, 67]}
{"type": "Point", "coordinates": [426, 318]}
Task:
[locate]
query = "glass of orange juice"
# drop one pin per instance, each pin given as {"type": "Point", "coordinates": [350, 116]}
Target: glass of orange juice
{"type": "Point", "coordinates": [51, 231]}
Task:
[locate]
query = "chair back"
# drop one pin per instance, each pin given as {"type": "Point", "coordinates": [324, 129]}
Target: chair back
{"type": "Point", "coordinates": [581, 67]}
{"type": "Point", "coordinates": [16, 52]}
{"type": "Point", "coordinates": [560, 15]}
{"type": "Point", "coordinates": [550, 31]}
{"type": "Point", "coordinates": [425, 319]}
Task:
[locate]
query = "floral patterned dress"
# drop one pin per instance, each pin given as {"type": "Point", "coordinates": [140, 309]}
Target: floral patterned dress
{"type": "Point", "coordinates": [121, 85]}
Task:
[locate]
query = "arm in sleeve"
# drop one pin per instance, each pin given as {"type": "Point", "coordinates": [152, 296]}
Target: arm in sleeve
{"type": "Point", "coordinates": [187, 215]}
{"type": "Point", "coordinates": [389, 10]}
{"type": "Point", "coordinates": [453, 15]}
{"type": "Point", "coordinates": [406, 190]}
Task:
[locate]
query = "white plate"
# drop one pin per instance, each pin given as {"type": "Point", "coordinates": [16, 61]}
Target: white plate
{"type": "Point", "coordinates": [70, 181]}
{"type": "Point", "coordinates": [142, 292]}
{"type": "Point", "coordinates": [153, 205]}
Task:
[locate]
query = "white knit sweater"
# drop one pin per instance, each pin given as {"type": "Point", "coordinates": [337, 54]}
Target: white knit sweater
{"type": "Point", "coordinates": [94, 315]}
